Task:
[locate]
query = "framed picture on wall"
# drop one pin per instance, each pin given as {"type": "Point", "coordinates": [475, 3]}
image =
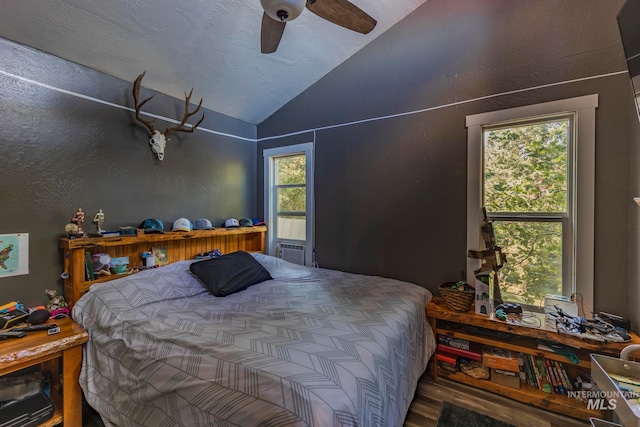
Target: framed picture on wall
{"type": "Point", "coordinates": [14, 254]}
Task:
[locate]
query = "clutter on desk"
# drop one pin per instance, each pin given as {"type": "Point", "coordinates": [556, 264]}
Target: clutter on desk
{"type": "Point", "coordinates": [596, 329]}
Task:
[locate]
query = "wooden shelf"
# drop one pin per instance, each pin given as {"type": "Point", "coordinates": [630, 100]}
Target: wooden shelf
{"type": "Point", "coordinates": [520, 339]}
{"type": "Point", "coordinates": [54, 421]}
{"type": "Point", "coordinates": [521, 345]}
{"type": "Point", "coordinates": [60, 357]}
{"type": "Point", "coordinates": [180, 246]}
{"type": "Point", "coordinates": [437, 309]}
{"type": "Point", "coordinates": [527, 394]}
{"type": "Point", "coordinates": [169, 236]}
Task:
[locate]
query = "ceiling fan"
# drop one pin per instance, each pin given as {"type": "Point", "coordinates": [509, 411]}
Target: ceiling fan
{"type": "Point", "coordinates": [278, 12]}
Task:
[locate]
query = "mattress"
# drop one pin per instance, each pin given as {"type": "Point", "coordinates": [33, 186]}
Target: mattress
{"type": "Point", "coordinates": [311, 347]}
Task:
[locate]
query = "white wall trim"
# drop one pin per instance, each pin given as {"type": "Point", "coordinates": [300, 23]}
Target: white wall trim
{"type": "Point", "coordinates": [121, 107]}
{"type": "Point", "coordinates": [438, 107]}
{"type": "Point", "coordinates": [300, 132]}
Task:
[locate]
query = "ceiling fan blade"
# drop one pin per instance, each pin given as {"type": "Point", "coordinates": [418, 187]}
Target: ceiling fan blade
{"type": "Point", "coordinates": [270, 34]}
{"type": "Point", "coordinates": [343, 13]}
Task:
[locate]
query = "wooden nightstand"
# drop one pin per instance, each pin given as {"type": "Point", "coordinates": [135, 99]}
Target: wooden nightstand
{"type": "Point", "coordinates": [58, 355]}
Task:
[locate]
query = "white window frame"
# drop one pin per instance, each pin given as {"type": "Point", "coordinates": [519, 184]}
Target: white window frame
{"type": "Point", "coordinates": [270, 202]}
{"type": "Point", "coordinates": [583, 109]}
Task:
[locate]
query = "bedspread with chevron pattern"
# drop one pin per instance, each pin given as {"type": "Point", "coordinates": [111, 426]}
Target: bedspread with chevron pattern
{"type": "Point", "coordinates": [312, 347]}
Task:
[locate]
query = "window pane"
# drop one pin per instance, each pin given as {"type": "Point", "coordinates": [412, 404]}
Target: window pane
{"type": "Point", "coordinates": [525, 167]}
{"type": "Point", "coordinates": [292, 227]}
{"type": "Point", "coordinates": [290, 170]}
{"type": "Point", "coordinates": [291, 213]}
{"type": "Point", "coordinates": [292, 199]}
{"type": "Point", "coordinates": [534, 260]}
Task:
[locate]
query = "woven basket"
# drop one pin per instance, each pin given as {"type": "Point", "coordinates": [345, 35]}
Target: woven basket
{"type": "Point", "coordinates": [457, 299]}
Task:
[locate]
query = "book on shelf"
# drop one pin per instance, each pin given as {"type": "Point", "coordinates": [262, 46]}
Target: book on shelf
{"type": "Point", "coordinates": [523, 375]}
{"type": "Point", "coordinates": [88, 264]}
{"type": "Point", "coordinates": [533, 370]}
{"type": "Point", "coordinates": [447, 361]}
{"type": "Point", "coordinates": [474, 352]}
{"type": "Point", "coordinates": [553, 378]}
{"type": "Point", "coordinates": [548, 375]}
{"type": "Point", "coordinates": [529, 371]}
{"type": "Point", "coordinates": [541, 373]}
{"type": "Point", "coordinates": [451, 359]}
{"type": "Point", "coordinates": [564, 376]}
{"type": "Point", "coordinates": [558, 374]}
{"type": "Point", "coordinates": [454, 342]}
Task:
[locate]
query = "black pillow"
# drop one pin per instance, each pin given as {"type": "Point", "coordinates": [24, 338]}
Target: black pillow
{"type": "Point", "coordinates": [227, 274]}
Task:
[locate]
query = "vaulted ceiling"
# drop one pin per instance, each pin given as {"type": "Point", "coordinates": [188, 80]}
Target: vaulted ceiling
{"type": "Point", "coordinates": [211, 46]}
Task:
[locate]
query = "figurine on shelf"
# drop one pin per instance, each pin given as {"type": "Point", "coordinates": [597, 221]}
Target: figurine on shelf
{"type": "Point", "coordinates": [78, 219]}
{"type": "Point", "coordinates": [99, 219]}
{"type": "Point", "coordinates": [57, 305]}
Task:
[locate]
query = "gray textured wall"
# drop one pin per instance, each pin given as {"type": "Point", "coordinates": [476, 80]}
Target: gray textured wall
{"type": "Point", "coordinates": [391, 193]}
{"type": "Point", "coordinates": [60, 152]}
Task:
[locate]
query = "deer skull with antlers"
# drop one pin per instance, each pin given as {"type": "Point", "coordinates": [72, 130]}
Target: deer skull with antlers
{"type": "Point", "coordinates": [158, 140]}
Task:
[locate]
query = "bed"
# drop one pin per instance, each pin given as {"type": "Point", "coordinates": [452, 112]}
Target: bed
{"type": "Point", "coordinates": [309, 347]}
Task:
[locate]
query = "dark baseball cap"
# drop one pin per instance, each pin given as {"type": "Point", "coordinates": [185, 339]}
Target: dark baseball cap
{"type": "Point", "coordinates": [246, 222]}
{"type": "Point", "coordinates": [151, 225]}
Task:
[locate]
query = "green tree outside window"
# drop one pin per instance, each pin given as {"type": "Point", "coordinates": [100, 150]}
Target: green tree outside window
{"type": "Point", "coordinates": [526, 177]}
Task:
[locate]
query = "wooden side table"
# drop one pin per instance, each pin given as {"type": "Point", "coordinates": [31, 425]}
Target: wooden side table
{"type": "Point", "coordinates": [58, 355]}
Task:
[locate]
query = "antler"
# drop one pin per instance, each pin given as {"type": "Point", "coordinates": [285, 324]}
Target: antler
{"type": "Point", "coordinates": [158, 140]}
{"type": "Point", "coordinates": [136, 99]}
{"type": "Point", "coordinates": [149, 124]}
{"type": "Point", "coordinates": [187, 114]}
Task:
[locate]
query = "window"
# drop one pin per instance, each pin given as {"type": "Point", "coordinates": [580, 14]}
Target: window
{"type": "Point", "coordinates": [532, 168]}
{"type": "Point", "coordinates": [289, 201]}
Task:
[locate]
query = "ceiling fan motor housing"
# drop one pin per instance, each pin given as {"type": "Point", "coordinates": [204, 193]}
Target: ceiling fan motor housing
{"type": "Point", "coordinates": [283, 10]}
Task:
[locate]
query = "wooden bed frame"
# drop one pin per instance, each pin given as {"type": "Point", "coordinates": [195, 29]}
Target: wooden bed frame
{"type": "Point", "coordinates": [180, 246]}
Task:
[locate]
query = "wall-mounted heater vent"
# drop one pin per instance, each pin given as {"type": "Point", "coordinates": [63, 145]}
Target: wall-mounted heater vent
{"type": "Point", "coordinates": [291, 253]}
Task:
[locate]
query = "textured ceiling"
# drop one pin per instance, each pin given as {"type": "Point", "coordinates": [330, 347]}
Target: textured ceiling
{"type": "Point", "coordinates": [212, 46]}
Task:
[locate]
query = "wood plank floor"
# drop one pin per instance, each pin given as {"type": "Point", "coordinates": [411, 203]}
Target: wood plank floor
{"type": "Point", "coordinates": [429, 396]}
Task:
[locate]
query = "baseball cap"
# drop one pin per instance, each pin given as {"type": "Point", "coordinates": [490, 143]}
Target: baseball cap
{"type": "Point", "coordinates": [203, 224]}
{"type": "Point", "coordinates": [231, 222]}
{"type": "Point", "coordinates": [246, 222]}
{"type": "Point", "coordinates": [257, 221]}
{"type": "Point", "coordinates": [151, 225]}
{"type": "Point", "coordinates": [182, 224]}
